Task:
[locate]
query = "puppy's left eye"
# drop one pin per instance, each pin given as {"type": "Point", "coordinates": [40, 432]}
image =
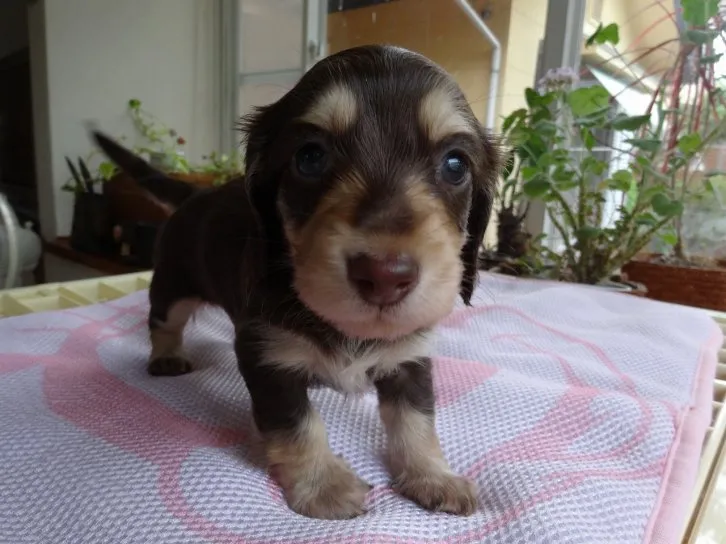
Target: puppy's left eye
{"type": "Point", "coordinates": [454, 168]}
{"type": "Point", "coordinates": [310, 160]}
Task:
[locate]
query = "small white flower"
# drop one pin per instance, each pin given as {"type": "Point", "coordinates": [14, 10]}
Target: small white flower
{"type": "Point", "coordinates": [558, 78]}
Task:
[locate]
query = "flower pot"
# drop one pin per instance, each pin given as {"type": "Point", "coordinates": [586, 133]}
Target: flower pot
{"type": "Point", "coordinates": [130, 203]}
{"type": "Point", "coordinates": [91, 228]}
{"type": "Point", "coordinates": [628, 287]}
{"type": "Point", "coordinates": [688, 285]}
{"type": "Point", "coordinates": [200, 179]}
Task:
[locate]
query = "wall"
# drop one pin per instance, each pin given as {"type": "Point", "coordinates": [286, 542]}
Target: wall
{"type": "Point", "coordinates": [526, 30]}
{"type": "Point", "coordinates": [435, 28]}
{"type": "Point", "coordinates": [91, 56]}
{"type": "Point", "coordinates": [440, 30]}
{"type": "Point", "coordinates": [13, 26]}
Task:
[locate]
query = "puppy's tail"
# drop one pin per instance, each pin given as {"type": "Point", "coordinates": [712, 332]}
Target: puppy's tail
{"type": "Point", "coordinates": [165, 189]}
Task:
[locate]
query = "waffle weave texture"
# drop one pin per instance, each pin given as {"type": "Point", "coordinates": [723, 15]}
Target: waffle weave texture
{"type": "Point", "coordinates": [565, 404]}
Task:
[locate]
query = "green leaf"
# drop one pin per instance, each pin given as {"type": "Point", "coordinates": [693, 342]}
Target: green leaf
{"type": "Point", "coordinates": [710, 187]}
{"type": "Point", "coordinates": [528, 172]}
{"type": "Point", "coordinates": [564, 178]}
{"type": "Point", "coordinates": [588, 100]}
{"type": "Point", "coordinates": [650, 192]}
{"type": "Point", "coordinates": [592, 165]}
{"type": "Point", "coordinates": [710, 59]}
{"type": "Point", "coordinates": [604, 34]}
{"type": "Point", "coordinates": [701, 37]}
{"type": "Point", "coordinates": [595, 118]}
{"type": "Point", "coordinates": [646, 220]}
{"type": "Point", "coordinates": [644, 144]}
{"type": "Point", "coordinates": [664, 206]}
{"type": "Point", "coordinates": [594, 36]}
{"type": "Point", "coordinates": [669, 238]}
{"type": "Point", "coordinates": [699, 12]}
{"type": "Point", "coordinates": [557, 157]}
{"type": "Point", "coordinates": [657, 174]}
{"type": "Point", "coordinates": [566, 184]}
{"type": "Point", "coordinates": [624, 122]}
{"type": "Point", "coordinates": [631, 198]}
{"type": "Point", "coordinates": [621, 180]}
{"type": "Point", "coordinates": [134, 103]}
{"type": "Point", "coordinates": [512, 118]}
{"type": "Point", "coordinates": [533, 97]}
{"type": "Point", "coordinates": [587, 233]}
{"type": "Point", "coordinates": [587, 138]}
{"type": "Point", "coordinates": [562, 173]}
{"type": "Point", "coordinates": [689, 144]}
{"type": "Point", "coordinates": [518, 136]}
{"type": "Point", "coordinates": [107, 170]}
{"type": "Point", "coordinates": [535, 188]}
{"type": "Point", "coordinates": [642, 161]}
{"type": "Point", "coordinates": [677, 161]}
{"type": "Point", "coordinates": [545, 127]}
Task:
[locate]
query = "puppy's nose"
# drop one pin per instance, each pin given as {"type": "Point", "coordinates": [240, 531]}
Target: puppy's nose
{"type": "Point", "coordinates": [383, 281]}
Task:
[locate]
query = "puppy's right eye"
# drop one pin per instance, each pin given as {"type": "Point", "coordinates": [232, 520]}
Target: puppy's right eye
{"type": "Point", "coordinates": [310, 161]}
{"type": "Point", "coordinates": [454, 168]}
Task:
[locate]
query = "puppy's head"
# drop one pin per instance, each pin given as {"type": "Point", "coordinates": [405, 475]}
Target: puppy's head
{"type": "Point", "coordinates": [382, 179]}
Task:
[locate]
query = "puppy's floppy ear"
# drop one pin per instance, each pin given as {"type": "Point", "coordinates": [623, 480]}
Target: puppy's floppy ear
{"type": "Point", "coordinates": [169, 191]}
{"type": "Point", "coordinates": [260, 129]}
{"type": "Point", "coordinates": [483, 187]}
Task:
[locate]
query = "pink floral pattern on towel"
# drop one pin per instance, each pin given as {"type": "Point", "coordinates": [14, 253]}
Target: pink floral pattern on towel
{"type": "Point", "coordinates": [565, 404]}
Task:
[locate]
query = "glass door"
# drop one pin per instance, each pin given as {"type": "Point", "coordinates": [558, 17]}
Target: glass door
{"type": "Point", "coordinates": [278, 40]}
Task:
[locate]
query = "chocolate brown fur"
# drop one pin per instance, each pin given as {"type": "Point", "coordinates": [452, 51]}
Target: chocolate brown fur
{"type": "Point", "coordinates": [273, 249]}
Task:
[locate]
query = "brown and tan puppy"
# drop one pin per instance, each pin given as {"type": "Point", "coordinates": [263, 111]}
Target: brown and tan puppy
{"type": "Point", "coordinates": [368, 188]}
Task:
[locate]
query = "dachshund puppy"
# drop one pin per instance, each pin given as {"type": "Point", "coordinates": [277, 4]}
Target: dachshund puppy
{"type": "Point", "coordinates": [368, 188]}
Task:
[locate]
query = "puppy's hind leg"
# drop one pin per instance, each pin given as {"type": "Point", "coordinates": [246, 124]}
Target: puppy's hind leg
{"type": "Point", "coordinates": [167, 318]}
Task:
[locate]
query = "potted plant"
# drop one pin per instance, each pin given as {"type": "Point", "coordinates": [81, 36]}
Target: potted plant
{"type": "Point", "coordinates": [685, 263]}
{"type": "Point", "coordinates": [601, 218]}
{"type": "Point", "coordinates": [510, 255]}
{"type": "Point", "coordinates": [91, 225]}
{"type": "Point", "coordinates": [165, 150]}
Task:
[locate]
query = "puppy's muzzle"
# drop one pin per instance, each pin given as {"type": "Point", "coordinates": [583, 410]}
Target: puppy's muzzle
{"type": "Point", "coordinates": [383, 281]}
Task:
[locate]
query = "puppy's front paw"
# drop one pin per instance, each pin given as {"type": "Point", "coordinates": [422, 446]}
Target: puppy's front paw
{"type": "Point", "coordinates": [169, 366]}
{"type": "Point", "coordinates": [332, 491]}
{"type": "Point", "coordinates": [439, 491]}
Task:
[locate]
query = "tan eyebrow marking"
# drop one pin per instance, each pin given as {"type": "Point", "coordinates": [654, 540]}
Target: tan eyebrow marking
{"type": "Point", "coordinates": [439, 116]}
{"type": "Point", "coordinates": [335, 111]}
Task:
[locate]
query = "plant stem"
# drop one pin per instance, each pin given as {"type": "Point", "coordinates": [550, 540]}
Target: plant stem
{"type": "Point", "coordinates": [624, 255]}
{"type": "Point", "coordinates": [569, 250]}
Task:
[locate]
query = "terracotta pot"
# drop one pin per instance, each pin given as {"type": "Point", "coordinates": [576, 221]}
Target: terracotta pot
{"type": "Point", "coordinates": [691, 286]}
{"type": "Point", "coordinates": [626, 287]}
{"type": "Point", "coordinates": [130, 203]}
{"type": "Point", "coordinates": [200, 179]}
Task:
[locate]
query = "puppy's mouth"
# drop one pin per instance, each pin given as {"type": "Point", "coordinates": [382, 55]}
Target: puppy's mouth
{"type": "Point", "coordinates": [376, 287]}
{"type": "Point", "coordinates": [381, 297]}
